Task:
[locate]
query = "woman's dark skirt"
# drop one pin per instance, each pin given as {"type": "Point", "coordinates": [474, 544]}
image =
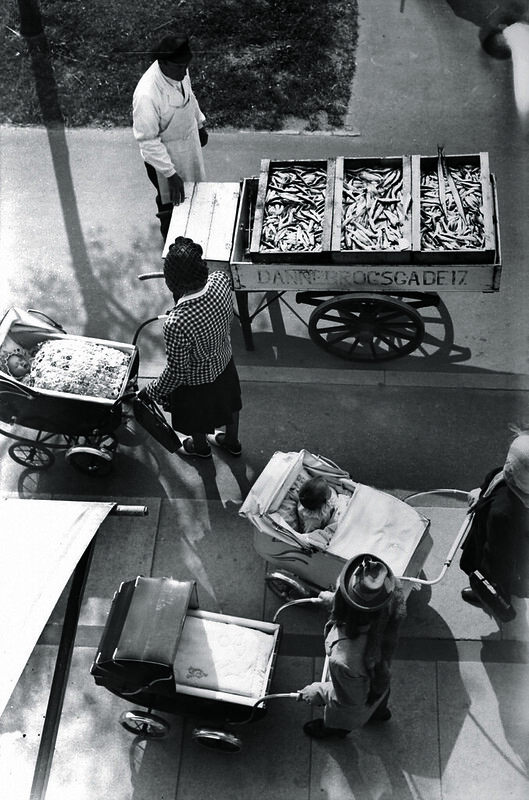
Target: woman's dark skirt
{"type": "Point", "coordinates": [202, 408]}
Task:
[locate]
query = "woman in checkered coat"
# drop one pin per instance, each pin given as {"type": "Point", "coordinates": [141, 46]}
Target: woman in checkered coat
{"type": "Point", "coordinates": [199, 384]}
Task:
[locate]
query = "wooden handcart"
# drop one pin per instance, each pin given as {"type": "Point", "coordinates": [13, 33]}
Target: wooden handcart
{"type": "Point", "coordinates": [367, 301]}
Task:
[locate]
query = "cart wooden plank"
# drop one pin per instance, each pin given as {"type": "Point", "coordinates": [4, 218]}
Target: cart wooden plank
{"type": "Point", "coordinates": [207, 216]}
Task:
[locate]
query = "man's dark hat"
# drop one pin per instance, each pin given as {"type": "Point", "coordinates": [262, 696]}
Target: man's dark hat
{"type": "Point", "coordinates": [174, 48]}
{"type": "Point", "coordinates": [366, 582]}
{"type": "Point", "coordinates": [184, 268]}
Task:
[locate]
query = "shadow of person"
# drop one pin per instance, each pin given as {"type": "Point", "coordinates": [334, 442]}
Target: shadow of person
{"type": "Point", "coordinates": [400, 758]}
{"type": "Point", "coordinates": [506, 664]}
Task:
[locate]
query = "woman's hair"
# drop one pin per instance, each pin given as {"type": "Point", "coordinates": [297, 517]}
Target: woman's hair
{"type": "Point", "coordinates": [184, 268]}
{"type": "Point", "coordinates": [350, 619]}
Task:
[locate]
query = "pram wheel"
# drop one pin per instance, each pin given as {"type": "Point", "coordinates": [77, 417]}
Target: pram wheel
{"type": "Point", "coordinates": [287, 586]}
{"type": "Point", "coordinates": [142, 723]}
{"type": "Point", "coordinates": [217, 740]}
{"type": "Point", "coordinates": [31, 455]}
{"type": "Point", "coordinates": [90, 460]}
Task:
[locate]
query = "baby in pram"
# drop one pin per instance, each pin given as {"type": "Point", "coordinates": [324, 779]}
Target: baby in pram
{"type": "Point", "coordinates": [313, 507]}
{"type": "Point", "coordinates": [18, 366]}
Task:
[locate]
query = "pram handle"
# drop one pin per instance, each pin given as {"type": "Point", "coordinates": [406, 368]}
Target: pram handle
{"type": "Point", "coordinates": [146, 276]}
{"type": "Point", "coordinates": [144, 324]}
{"type": "Point", "coordinates": [263, 699]}
{"type": "Point", "coordinates": [314, 600]}
{"type": "Point", "coordinates": [461, 536]}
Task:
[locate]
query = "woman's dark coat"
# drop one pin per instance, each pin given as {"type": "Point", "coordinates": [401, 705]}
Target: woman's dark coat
{"type": "Point", "coordinates": [498, 542]}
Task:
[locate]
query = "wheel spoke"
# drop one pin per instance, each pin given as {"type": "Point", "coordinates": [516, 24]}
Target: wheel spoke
{"type": "Point", "coordinates": [391, 344]}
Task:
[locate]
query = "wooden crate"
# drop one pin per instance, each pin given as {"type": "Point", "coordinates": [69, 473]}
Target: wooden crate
{"type": "Point", "coordinates": [207, 216]}
{"type": "Point", "coordinates": [360, 252]}
{"type": "Point", "coordinates": [247, 275]}
{"type": "Point", "coordinates": [483, 253]}
{"type": "Point", "coordinates": [309, 255]}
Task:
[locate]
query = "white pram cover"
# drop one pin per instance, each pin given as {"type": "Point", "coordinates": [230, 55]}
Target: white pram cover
{"type": "Point", "coordinates": [372, 522]}
{"type": "Point", "coordinates": [223, 656]}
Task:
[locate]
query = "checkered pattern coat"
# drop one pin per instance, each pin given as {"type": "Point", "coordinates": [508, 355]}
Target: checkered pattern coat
{"type": "Point", "coordinates": [197, 338]}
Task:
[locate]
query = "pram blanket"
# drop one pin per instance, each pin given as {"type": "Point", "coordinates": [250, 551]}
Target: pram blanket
{"type": "Point", "coordinates": [378, 523]}
{"type": "Point", "coordinates": [223, 657]}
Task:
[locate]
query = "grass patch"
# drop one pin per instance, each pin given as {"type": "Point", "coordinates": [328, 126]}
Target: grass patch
{"type": "Point", "coordinates": [256, 63]}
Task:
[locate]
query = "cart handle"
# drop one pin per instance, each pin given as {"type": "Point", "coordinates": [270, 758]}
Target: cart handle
{"type": "Point", "coordinates": [461, 536]}
{"type": "Point", "coordinates": [129, 511]}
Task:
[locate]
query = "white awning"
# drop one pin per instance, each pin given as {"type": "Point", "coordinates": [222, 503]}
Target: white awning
{"type": "Point", "coordinates": [41, 543]}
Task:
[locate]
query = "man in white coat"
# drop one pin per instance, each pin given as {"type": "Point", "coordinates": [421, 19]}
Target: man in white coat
{"type": "Point", "coordinates": [169, 125]}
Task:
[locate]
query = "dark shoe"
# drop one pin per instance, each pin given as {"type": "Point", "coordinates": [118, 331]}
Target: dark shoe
{"type": "Point", "coordinates": [218, 439]}
{"type": "Point", "coordinates": [469, 596]}
{"type": "Point", "coordinates": [318, 730]}
{"type": "Point", "coordinates": [188, 446]}
{"type": "Point", "coordinates": [380, 715]}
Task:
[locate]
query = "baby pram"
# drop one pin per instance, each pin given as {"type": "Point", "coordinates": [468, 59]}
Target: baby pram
{"type": "Point", "coordinates": [161, 651]}
{"type": "Point", "coordinates": [80, 423]}
{"type": "Point", "coordinates": [372, 521]}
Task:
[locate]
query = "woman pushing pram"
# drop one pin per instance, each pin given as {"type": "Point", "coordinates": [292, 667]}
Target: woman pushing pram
{"type": "Point", "coordinates": [361, 635]}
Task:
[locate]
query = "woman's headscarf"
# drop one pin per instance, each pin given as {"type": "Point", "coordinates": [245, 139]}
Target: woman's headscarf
{"type": "Point", "coordinates": [516, 468]}
{"type": "Point", "coordinates": [184, 268]}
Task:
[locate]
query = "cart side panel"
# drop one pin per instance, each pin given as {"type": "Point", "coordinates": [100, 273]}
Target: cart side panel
{"type": "Point", "coordinates": [386, 278]}
{"type": "Point", "coordinates": [257, 230]}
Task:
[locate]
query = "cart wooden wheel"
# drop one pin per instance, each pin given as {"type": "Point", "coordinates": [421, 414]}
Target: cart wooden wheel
{"type": "Point", "coordinates": [31, 455]}
{"type": "Point", "coordinates": [287, 586]}
{"type": "Point", "coordinates": [90, 460]}
{"type": "Point", "coordinates": [366, 327]}
{"type": "Point", "coordinates": [145, 724]}
{"type": "Point", "coordinates": [217, 740]}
